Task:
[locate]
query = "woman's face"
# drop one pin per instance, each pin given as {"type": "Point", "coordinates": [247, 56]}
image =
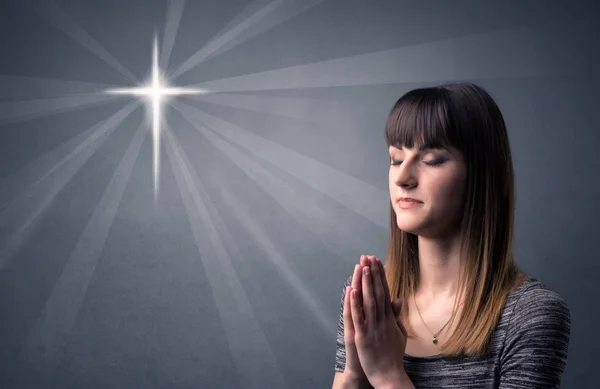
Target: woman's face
{"type": "Point", "coordinates": [434, 177]}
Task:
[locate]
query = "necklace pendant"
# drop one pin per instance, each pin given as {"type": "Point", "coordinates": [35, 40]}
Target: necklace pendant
{"type": "Point", "coordinates": [435, 340]}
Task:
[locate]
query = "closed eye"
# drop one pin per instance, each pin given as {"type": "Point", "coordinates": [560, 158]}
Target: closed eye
{"type": "Point", "coordinates": [435, 162]}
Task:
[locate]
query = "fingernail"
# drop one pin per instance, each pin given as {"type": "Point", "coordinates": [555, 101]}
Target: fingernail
{"type": "Point", "coordinates": [366, 270]}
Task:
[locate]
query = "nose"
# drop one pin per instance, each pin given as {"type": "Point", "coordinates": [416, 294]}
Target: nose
{"type": "Point", "coordinates": [405, 177]}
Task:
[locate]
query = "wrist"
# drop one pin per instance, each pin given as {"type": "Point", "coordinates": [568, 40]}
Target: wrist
{"type": "Point", "coordinates": [354, 381]}
{"type": "Point", "coordinates": [400, 380]}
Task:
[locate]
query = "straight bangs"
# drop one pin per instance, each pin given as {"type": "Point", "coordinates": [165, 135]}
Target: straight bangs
{"type": "Point", "coordinates": [421, 118]}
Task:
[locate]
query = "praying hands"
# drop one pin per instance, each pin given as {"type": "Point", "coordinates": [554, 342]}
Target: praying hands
{"type": "Point", "coordinates": [374, 336]}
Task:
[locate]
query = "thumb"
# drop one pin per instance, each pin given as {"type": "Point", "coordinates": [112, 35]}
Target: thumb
{"type": "Point", "coordinates": [397, 308]}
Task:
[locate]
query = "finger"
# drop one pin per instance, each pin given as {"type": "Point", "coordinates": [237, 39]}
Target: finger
{"type": "Point", "coordinates": [364, 260]}
{"type": "Point", "coordinates": [358, 319]}
{"type": "Point", "coordinates": [356, 278]}
{"type": "Point", "coordinates": [378, 291]}
{"type": "Point", "coordinates": [369, 260]}
{"type": "Point", "coordinates": [387, 301]}
{"type": "Point", "coordinates": [373, 260]}
{"type": "Point", "coordinates": [348, 325]}
{"type": "Point", "coordinates": [358, 274]}
{"type": "Point", "coordinates": [368, 301]}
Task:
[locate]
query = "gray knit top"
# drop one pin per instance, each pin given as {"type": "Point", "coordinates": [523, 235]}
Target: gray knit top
{"type": "Point", "coordinates": [529, 347]}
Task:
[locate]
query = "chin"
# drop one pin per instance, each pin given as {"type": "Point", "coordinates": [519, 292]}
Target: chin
{"type": "Point", "coordinates": [411, 228]}
{"type": "Point", "coordinates": [412, 224]}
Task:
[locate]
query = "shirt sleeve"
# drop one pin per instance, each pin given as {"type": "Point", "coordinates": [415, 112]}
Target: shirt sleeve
{"type": "Point", "coordinates": [537, 341]}
{"type": "Point", "coordinates": [340, 350]}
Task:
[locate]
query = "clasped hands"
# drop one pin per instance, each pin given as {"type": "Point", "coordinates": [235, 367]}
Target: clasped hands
{"type": "Point", "coordinates": [374, 336]}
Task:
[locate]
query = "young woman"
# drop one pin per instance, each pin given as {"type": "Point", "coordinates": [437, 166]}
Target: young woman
{"type": "Point", "coordinates": [451, 308]}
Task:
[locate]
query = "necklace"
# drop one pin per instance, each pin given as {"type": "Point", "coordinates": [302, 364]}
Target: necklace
{"type": "Point", "coordinates": [435, 339]}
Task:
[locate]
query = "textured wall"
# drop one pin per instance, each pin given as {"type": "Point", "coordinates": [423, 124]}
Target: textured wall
{"type": "Point", "coordinates": [214, 255]}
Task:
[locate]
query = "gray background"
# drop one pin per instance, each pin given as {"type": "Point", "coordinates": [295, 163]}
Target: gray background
{"type": "Point", "coordinates": [270, 189]}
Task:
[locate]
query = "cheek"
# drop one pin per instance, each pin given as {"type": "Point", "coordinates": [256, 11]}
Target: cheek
{"type": "Point", "coordinates": [448, 189]}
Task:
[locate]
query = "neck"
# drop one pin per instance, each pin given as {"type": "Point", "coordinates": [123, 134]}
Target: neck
{"type": "Point", "coordinates": [439, 265]}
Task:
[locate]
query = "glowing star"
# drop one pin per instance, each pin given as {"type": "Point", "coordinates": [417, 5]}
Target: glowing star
{"type": "Point", "coordinates": [156, 91]}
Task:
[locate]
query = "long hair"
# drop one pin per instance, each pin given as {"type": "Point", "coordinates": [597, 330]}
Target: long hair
{"type": "Point", "coordinates": [465, 116]}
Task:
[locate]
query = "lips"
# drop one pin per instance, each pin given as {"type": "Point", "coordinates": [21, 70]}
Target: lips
{"type": "Point", "coordinates": [408, 200]}
{"type": "Point", "coordinates": [408, 203]}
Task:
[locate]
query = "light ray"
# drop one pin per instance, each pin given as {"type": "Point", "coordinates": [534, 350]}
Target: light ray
{"type": "Point", "coordinates": [246, 13]}
{"type": "Point", "coordinates": [49, 334]}
{"type": "Point", "coordinates": [504, 53]}
{"type": "Point", "coordinates": [20, 111]}
{"type": "Point", "coordinates": [16, 220]}
{"type": "Point", "coordinates": [221, 40]}
{"type": "Point", "coordinates": [17, 183]}
{"type": "Point", "coordinates": [157, 92]}
{"type": "Point", "coordinates": [244, 334]}
{"type": "Point", "coordinates": [357, 195]}
{"type": "Point", "coordinates": [63, 22]}
{"type": "Point", "coordinates": [156, 97]}
{"type": "Point", "coordinates": [326, 226]}
{"type": "Point", "coordinates": [23, 88]}
{"type": "Point", "coordinates": [310, 110]}
{"type": "Point", "coordinates": [277, 258]}
{"type": "Point", "coordinates": [260, 21]}
{"type": "Point", "coordinates": [172, 25]}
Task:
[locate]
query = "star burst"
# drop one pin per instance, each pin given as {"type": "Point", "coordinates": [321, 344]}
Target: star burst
{"type": "Point", "coordinates": [156, 92]}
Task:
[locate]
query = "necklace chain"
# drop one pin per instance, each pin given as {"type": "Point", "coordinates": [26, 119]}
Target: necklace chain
{"type": "Point", "coordinates": [435, 335]}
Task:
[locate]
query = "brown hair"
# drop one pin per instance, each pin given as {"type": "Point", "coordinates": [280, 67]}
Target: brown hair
{"type": "Point", "coordinates": [465, 116]}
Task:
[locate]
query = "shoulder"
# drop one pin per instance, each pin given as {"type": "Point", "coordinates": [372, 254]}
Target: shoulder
{"type": "Point", "coordinates": [532, 302]}
{"type": "Point", "coordinates": [536, 318]}
{"type": "Point", "coordinates": [536, 336]}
